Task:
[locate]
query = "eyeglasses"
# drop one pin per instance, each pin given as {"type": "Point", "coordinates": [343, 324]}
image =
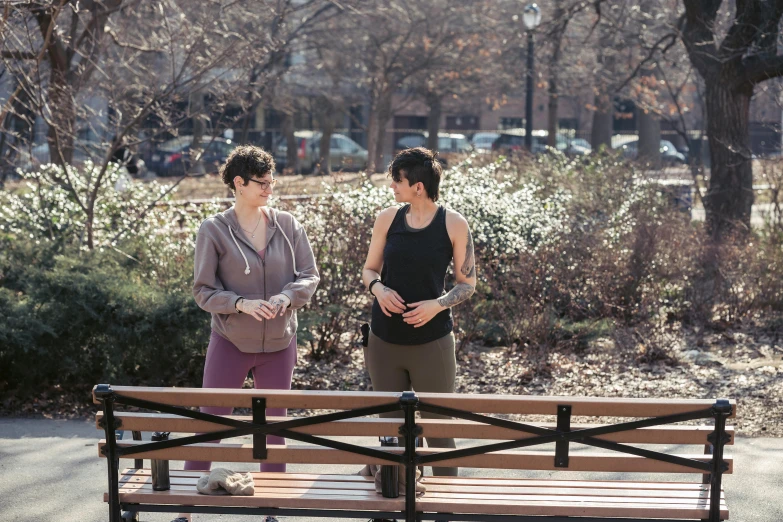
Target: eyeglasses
{"type": "Point", "coordinates": [265, 185]}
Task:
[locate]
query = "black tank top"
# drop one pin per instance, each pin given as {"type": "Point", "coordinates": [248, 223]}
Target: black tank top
{"type": "Point", "coordinates": [414, 265]}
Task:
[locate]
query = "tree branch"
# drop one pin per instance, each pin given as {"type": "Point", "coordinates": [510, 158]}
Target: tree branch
{"type": "Point", "coordinates": [697, 33]}
{"type": "Point", "coordinates": [758, 69]}
{"type": "Point", "coordinates": [20, 55]}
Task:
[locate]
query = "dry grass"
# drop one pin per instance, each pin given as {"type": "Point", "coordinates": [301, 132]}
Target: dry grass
{"type": "Point", "coordinates": [211, 186]}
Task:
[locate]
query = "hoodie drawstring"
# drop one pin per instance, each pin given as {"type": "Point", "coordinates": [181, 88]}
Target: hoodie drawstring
{"type": "Point", "coordinates": [247, 265]}
{"type": "Point", "coordinates": [293, 256]}
{"type": "Point", "coordinates": [290, 246]}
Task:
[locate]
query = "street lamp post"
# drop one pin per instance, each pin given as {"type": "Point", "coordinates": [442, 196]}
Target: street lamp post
{"type": "Point", "coordinates": [531, 17]}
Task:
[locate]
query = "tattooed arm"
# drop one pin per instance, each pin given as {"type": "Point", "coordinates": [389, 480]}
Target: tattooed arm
{"type": "Point", "coordinates": [465, 271]}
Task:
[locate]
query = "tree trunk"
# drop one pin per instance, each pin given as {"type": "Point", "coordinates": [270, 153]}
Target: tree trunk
{"type": "Point", "coordinates": [372, 139]}
{"type": "Point", "coordinates": [551, 125]}
{"type": "Point", "coordinates": [554, 72]}
{"type": "Point", "coordinates": [649, 139]}
{"type": "Point", "coordinates": [245, 132]}
{"type": "Point", "coordinates": [197, 114]}
{"type": "Point", "coordinates": [376, 133]}
{"type": "Point", "coordinates": [435, 104]}
{"type": "Point", "coordinates": [292, 149]}
{"type": "Point", "coordinates": [326, 115]}
{"type": "Point", "coordinates": [729, 198]}
{"type": "Point", "coordinates": [603, 116]}
{"type": "Point", "coordinates": [62, 129]}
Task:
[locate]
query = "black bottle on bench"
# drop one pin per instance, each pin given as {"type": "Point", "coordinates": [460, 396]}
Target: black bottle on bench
{"type": "Point", "coordinates": [390, 475]}
{"type": "Point", "coordinates": [160, 468]}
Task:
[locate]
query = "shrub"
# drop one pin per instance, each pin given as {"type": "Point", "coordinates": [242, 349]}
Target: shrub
{"type": "Point", "coordinates": [85, 319]}
{"type": "Point", "coordinates": [565, 250]}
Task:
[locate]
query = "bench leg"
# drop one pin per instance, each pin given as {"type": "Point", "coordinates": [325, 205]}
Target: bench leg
{"type": "Point", "coordinates": [112, 460]}
{"type": "Point", "coordinates": [133, 516]}
{"type": "Point", "coordinates": [719, 438]}
{"type": "Point", "coordinates": [409, 402]}
{"type": "Point", "coordinates": [138, 463]}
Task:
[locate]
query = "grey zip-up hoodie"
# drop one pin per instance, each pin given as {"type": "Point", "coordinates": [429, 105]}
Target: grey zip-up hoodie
{"type": "Point", "coordinates": [228, 267]}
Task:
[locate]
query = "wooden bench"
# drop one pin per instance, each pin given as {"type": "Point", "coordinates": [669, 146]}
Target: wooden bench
{"type": "Point", "coordinates": [564, 498]}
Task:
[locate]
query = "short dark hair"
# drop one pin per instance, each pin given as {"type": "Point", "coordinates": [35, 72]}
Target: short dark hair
{"type": "Point", "coordinates": [246, 161]}
{"type": "Point", "coordinates": [419, 165]}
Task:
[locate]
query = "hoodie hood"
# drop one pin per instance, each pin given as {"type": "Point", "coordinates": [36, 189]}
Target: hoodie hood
{"type": "Point", "coordinates": [229, 218]}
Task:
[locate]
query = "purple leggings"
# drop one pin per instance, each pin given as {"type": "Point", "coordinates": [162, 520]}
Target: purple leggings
{"type": "Point", "coordinates": [227, 367]}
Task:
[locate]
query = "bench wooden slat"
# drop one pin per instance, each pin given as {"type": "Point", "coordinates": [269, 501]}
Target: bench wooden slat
{"type": "Point", "coordinates": [695, 510]}
{"type": "Point", "coordinates": [613, 462]}
{"type": "Point", "coordinates": [552, 489]}
{"type": "Point", "coordinates": [436, 480]}
{"type": "Point", "coordinates": [452, 495]}
{"type": "Point", "coordinates": [313, 501]}
{"type": "Point", "coordinates": [335, 485]}
{"type": "Point", "coordinates": [265, 475]}
{"type": "Point", "coordinates": [439, 428]}
{"type": "Point", "coordinates": [510, 404]}
{"type": "Point", "coordinates": [604, 484]}
{"type": "Point", "coordinates": [546, 506]}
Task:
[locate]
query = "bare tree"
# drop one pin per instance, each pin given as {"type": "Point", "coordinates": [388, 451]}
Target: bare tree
{"type": "Point", "coordinates": [400, 39]}
{"type": "Point", "coordinates": [109, 67]}
{"type": "Point", "coordinates": [734, 48]}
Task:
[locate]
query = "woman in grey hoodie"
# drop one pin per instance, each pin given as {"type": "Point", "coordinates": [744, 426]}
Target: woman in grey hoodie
{"type": "Point", "coordinates": [254, 269]}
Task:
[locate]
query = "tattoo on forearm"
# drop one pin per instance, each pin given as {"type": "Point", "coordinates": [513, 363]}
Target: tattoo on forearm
{"type": "Point", "coordinates": [459, 293]}
{"type": "Point", "coordinates": [469, 266]}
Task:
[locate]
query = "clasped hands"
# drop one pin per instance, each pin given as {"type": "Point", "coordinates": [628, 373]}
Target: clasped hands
{"type": "Point", "coordinates": [418, 314]}
{"type": "Point", "coordinates": [260, 309]}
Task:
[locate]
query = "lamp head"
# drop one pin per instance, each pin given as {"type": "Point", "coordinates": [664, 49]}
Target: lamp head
{"type": "Point", "coordinates": [531, 16]}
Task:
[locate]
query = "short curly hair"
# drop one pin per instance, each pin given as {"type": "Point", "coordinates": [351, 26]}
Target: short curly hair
{"type": "Point", "coordinates": [418, 164]}
{"type": "Point", "coordinates": [246, 161]}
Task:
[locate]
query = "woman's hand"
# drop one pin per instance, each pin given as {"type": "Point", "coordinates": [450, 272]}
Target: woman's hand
{"type": "Point", "coordinates": [390, 301]}
{"type": "Point", "coordinates": [277, 305]}
{"type": "Point", "coordinates": [252, 307]}
{"type": "Point", "coordinates": [422, 312]}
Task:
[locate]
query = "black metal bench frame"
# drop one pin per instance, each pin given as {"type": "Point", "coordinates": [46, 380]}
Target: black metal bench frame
{"type": "Point", "coordinates": [408, 404]}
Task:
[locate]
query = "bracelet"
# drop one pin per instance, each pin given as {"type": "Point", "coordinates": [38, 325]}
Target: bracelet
{"type": "Point", "coordinates": [369, 288]}
{"type": "Point", "coordinates": [236, 307]}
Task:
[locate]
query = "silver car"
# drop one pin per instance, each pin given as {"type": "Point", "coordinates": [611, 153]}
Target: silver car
{"type": "Point", "coordinates": [344, 153]}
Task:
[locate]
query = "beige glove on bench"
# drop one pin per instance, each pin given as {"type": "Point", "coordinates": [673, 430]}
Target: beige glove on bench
{"type": "Point", "coordinates": [222, 481]}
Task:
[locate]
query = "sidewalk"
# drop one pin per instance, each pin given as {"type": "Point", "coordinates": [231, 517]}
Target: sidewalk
{"type": "Point", "coordinates": [50, 471]}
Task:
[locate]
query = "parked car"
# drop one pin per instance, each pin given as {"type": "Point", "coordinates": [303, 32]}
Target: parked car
{"type": "Point", "coordinates": [172, 158]}
{"type": "Point", "coordinates": [482, 141]}
{"type": "Point", "coordinates": [83, 150]}
{"type": "Point", "coordinates": [344, 153]}
{"type": "Point", "coordinates": [669, 153]}
{"type": "Point", "coordinates": [512, 140]}
{"type": "Point", "coordinates": [450, 146]}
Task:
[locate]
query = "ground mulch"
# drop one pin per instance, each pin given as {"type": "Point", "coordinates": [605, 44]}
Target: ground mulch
{"type": "Point", "coordinates": [744, 363]}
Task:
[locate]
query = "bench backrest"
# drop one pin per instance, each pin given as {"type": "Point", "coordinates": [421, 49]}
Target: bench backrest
{"type": "Point", "coordinates": [563, 411]}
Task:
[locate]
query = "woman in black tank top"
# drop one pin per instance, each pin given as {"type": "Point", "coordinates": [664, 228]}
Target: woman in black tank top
{"type": "Point", "coordinates": [411, 344]}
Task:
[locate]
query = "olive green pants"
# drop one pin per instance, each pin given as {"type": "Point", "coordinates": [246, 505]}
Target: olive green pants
{"type": "Point", "coordinates": [427, 368]}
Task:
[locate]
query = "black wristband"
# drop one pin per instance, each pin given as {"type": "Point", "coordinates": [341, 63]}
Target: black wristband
{"type": "Point", "coordinates": [369, 288]}
{"type": "Point", "coordinates": [236, 303]}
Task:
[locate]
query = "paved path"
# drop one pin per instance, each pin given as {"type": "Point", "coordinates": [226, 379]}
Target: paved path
{"type": "Point", "coordinates": [50, 471]}
{"type": "Point", "coordinates": [760, 213]}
